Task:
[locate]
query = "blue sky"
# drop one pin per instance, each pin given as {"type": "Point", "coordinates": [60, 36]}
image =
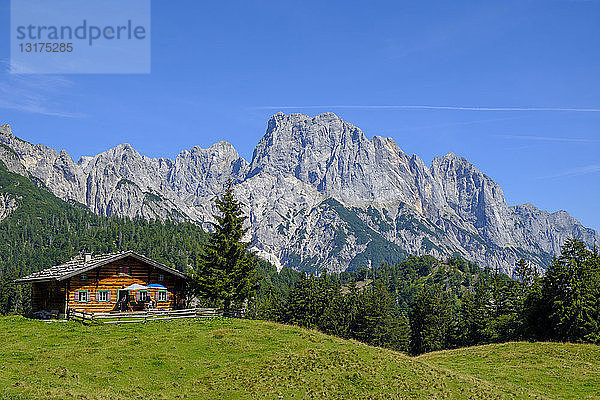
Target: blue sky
{"type": "Point", "coordinates": [220, 69]}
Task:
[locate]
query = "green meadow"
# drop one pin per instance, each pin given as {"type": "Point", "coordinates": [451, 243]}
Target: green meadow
{"type": "Point", "coordinates": [245, 359]}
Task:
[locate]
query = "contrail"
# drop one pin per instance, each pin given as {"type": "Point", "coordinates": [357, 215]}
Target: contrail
{"type": "Point", "coordinates": [590, 169]}
{"type": "Point", "coordinates": [549, 138]}
{"type": "Point", "coordinates": [428, 107]}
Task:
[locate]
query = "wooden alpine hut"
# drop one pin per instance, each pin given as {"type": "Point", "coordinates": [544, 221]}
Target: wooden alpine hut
{"type": "Point", "coordinates": [124, 281]}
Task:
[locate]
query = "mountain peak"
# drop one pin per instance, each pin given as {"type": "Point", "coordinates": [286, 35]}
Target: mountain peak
{"type": "Point", "coordinates": [124, 147]}
{"type": "Point", "coordinates": [222, 145]}
{"type": "Point", "coordinates": [279, 119]}
{"type": "Point", "coordinates": [450, 160]}
{"type": "Point", "coordinates": [5, 130]}
{"type": "Point", "coordinates": [450, 157]}
{"type": "Point", "coordinates": [222, 150]}
{"type": "Point", "coordinates": [300, 144]}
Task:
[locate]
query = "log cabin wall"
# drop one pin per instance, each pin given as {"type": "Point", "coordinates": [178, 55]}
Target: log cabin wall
{"type": "Point", "coordinates": [110, 278]}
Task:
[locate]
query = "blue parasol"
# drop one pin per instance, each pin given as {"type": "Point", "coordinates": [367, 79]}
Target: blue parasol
{"type": "Point", "coordinates": [156, 286]}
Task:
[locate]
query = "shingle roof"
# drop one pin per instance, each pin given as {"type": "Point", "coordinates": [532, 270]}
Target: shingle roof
{"type": "Point", "coordinates": [78, 265]}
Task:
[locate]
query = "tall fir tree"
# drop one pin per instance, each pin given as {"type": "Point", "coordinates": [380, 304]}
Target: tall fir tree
{"type": "Point", "coordinates": [571, 288]}
{"type": "Point", "coordinates": [375, 321]}
{"type": "Point", "coordinates": [430, 320]}
{"type": "Point", "coordinates": [226, 269]}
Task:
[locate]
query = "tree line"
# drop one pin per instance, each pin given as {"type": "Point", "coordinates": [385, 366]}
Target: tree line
{"type": "Point", "coordinates": [423, 305]}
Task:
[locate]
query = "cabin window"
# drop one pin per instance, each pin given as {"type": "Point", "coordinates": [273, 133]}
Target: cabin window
{"type": "Point", "coordinates": [83, 277]}
{"type": "Point", "coordinates": [124, 270]}
{"type": "Point", "coordinates": [103, 295]}
{"type": "Point", "coordinates": [142, 295]}
{"type": "Point", "coordinates": [161, 295]}
{"type": "Point", "coordinates": [161, 277]}
{"type": "Point", "coordinates": [83, 296]}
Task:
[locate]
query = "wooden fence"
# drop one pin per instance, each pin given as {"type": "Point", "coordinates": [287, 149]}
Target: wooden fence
{"type": "Point", "coordinates": [149, 316]}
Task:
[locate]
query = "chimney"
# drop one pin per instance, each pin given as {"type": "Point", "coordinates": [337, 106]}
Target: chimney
{"type": "Point", "coordinates": [87, 257]}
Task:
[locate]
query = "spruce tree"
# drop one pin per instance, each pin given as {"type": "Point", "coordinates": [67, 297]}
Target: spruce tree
{"type": "Point", "coordinates": [226, 269]}
{"type": "Point", "coordinates": [571, 288]}
{"type": "Point", "coordinates": [430, 320]}
{"type": "Point", "coordinates": [375, 322]}
{"type": "Point", "coordinates": [303, 303]}
{"type": "Point", "coordinates": [476, 315]}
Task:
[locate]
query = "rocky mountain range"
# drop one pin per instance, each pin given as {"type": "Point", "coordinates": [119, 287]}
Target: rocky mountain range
{"type": "Point", "coordinates": [319, 195]}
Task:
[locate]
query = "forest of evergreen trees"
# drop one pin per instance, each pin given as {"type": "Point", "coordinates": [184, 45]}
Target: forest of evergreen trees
{"type": "Point", "coordinates": [423, 305]}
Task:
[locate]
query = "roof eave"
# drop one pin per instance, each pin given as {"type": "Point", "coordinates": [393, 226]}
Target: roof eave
{"type": "Point", "coordinates": [34, 280]}
{"type": "Point", "coordinates": [89, 268]}
{"type": "Point", "coordinates": [119, 257]}
{"type": "Point", "coordinates": [101, 263]}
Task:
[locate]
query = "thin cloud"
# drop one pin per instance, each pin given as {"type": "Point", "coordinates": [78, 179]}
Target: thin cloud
{"type": "Point", "coordinates": [33, 93]}
{"type": "Point", "coordinates": [590, 169]}
{"type": "Point", "coordinates": [524, 147]}
{"type": "Point", "coordinates": [461, 123]}
{"type": "Point", "coordinates": [550, 138]}
{"type": "Point", "coordinates": [430, 107]}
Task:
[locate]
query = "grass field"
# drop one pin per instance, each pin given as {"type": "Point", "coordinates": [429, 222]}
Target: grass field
{"type": "Point", "coordinates": [221, 358]}
{"type": "Point", "coordinates": [552, 370]}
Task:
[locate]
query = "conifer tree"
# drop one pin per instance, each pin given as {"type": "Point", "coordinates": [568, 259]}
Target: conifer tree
{"type": "Point", "coordinates": [375, 322]}
{"type": "Point", "coordinates": [339, 313]}
{"type": "Point", "coordinates": [269, 307]}
{"type": "Point", "coordinates": [476, 312]}
{"type": "Point", "coordinates": [226, 269]}
{"type": "Point", "coordinates": [571, 288]}
{"type": "Point", "coordinates": [430, 320]}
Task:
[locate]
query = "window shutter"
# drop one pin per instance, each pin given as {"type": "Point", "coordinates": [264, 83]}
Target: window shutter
{"type": "Point", "coordinates": [108, 295]}
{"type": "Point", "coordinates": [137, 296]}
{"type": "Point", "coordinates": [166, 296]}
{"type": "Point", "coordinates": [97, 295]}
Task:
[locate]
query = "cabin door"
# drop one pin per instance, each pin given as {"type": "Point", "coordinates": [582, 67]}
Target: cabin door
{"type": "Point", "coordinates": [122, 299]}
{"type": "Point", "coordinates": [122, 295]}
{"type": "Point", "coordinates": [44, 297]}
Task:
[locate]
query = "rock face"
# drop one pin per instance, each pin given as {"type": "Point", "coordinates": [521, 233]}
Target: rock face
{"type": "Point", "coordinates": [7, 205]}
{"type": "Point", "coordinates": [319, 195]}
{"type": "Point", "coordinates": [8, 156]}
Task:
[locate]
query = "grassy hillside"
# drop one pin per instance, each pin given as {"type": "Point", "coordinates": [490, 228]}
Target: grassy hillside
{"type": "Point", "coordinates": [552, 370]}
{"type": "Point", "coordinates": [251, 359]}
